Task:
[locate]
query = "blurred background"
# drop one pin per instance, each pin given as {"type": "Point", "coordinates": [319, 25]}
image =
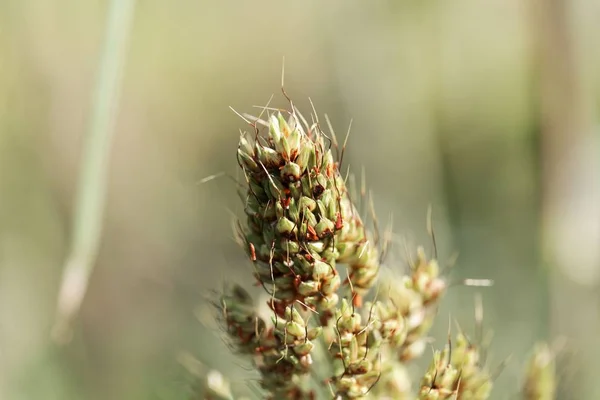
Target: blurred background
{"type": "Point", "coordinates": [488, 111]}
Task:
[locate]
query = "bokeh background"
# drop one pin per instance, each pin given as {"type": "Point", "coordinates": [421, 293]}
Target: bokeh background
{"type": "Point", "coordinates": [487, 110]}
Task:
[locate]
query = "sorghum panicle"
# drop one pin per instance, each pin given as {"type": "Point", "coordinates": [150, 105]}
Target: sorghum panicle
{"type": "Point", "coordinates": [301, 224]}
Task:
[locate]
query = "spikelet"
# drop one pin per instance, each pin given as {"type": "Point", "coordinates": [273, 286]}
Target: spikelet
{"type": "Point", "coordinates": [456, 373]}
{"type": "Point", "coordinates": [410, 307]}
{"type": "Point", "coordinates": [281, 349]}
{"type": "Point", "coordinates": [355, 347]}
{"type": "Point", "coordinates": [540, 375]}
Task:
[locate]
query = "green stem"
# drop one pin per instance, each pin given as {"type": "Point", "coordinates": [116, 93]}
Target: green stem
{"type": "Point", "coordinates": [91, 191]}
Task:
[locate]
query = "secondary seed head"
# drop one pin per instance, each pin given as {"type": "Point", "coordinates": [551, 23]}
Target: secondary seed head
{"type": "Point", "coordinates": [456, 373]}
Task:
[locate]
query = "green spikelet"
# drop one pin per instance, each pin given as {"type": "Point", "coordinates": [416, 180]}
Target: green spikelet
{"type": "Point", "coordinates": [281, 350]}
{"type": "Point", "coordinates": [540, 376]}
{"type": "Point", "coordinates": [355, 348]}
{"type": "Point", "coordinates": [236, 310]}
{"type": "Point", "coordinates": [412, 303]}
{"type": "Point", "coordinates": [456, 373]}
{"type": "Point", "coordinates": [356, 250]}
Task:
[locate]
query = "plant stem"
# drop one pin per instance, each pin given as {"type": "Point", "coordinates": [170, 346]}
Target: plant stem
{"type": "Point", "coordinates": [91, 191]}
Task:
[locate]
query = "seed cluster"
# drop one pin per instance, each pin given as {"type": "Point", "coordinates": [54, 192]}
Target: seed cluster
{"type": "Point", "coordinates": [456, 373]}
{"type": "Point", "coordinates": [292, 211]}
{"type": "Point", "coordinates": [355, 346]}
{"type": "Point", "coordinates": [301, 226]}
{"type": "Point", "coordinates": [282, 351]}
{"type": "Point", "coordinates": [301, 223]}
{"type": "Point", "coordinates": [414, 300]}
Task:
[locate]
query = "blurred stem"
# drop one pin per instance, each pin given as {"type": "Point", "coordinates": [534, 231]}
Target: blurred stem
{"type": "Point", "coordinates": [571, 189]}
{"type": "Point", "coordinates": [91, 191]}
